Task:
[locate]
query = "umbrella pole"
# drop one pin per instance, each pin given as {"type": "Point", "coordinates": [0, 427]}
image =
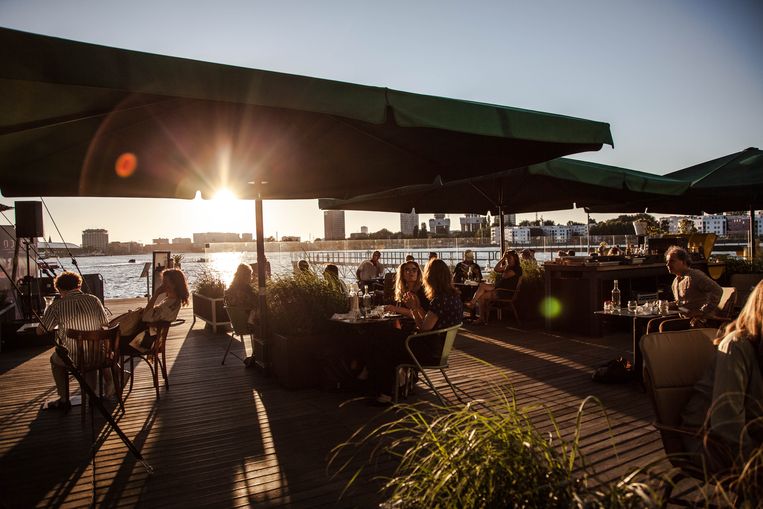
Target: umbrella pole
{"type": "Point", "coordinates": [753, 244]}
{"type": "Point", "coordinates": [261, 280]}
{"type": "Point", "coordinates": [502, 227]}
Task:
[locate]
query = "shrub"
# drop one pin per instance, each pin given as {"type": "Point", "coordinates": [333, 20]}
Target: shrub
{"type": "Point", "coordinates": [302, 304]}
{"type": "Point", "coordinates": [209, 284]}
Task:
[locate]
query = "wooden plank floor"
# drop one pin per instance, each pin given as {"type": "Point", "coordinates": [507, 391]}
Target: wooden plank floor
{"type": "Point", "coordinates": [225, 436]}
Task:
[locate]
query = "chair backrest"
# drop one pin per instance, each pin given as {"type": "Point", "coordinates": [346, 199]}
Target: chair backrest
{"type": "Point", "coordinates": [669, 382]}
{"type": "Point", "coordinates": [239, 319]}
{"type": "Point", "coordinates": [727, 302]}
{"type": "Point", "coordinates": [450, 338]}
{"type": "Point", "coordinates": [389, 288]}
{"type": "Point", "coordinates": [94, 349]}
{"type": "Point", "coordinates": [161, 328]}
{"type": "Point", "coordinates": [504, 294]}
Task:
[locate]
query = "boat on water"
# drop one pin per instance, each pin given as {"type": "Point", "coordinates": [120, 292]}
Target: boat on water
{"type": "Point", "coordinates": [131, 260]}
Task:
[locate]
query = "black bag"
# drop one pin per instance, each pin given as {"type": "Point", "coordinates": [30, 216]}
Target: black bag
{"type": "Point", "coordinates": [617, 371]}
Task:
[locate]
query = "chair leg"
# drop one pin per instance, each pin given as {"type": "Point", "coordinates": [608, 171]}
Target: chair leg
{"type": "Point", "coordinates": [516, 315]}
{"type": "Point", "coordinates": [452, 387]}
{"type": "Point", "coordinates": [164, 372]}
{"type": "Point", "coordinates": [117, 388]}
{"type": "Point", "coordinates": [132, 371]}
{"type": "Point", "coordinates": [228, 349]}
{"type": "Point", "coordinates": [431, 386]}
{"type": "Point", "coordinates": [154, 376]}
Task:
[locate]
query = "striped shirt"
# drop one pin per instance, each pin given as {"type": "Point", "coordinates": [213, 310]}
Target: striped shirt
{"type": "Point", "coordinates": [76, 310]}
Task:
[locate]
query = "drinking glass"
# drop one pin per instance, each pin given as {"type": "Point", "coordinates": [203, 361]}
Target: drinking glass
{"type": "Point", "coordinates": [607, 306]}
{"type": "Point", "coordinates": [48, 301]}
{"type": "Point", "coordinates": [632, 305]}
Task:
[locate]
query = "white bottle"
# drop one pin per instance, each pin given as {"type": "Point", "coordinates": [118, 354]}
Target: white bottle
{"type": "Point", "coordinates": [367, 301]}
{"type": "Point", "coordinates": [354, 303]}
{"type": "Point", "coordinates": [615, 296]}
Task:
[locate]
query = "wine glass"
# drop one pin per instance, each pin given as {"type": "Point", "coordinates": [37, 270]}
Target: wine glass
{"type": "Point", "coordinates": [632, 306]}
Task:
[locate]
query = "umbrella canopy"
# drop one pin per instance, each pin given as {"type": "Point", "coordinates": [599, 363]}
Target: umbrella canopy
{"type": "Point", "coordinates": [732, 182]}
{"type": "Point", "coordinates": [553, 185]}
{"type": "Point", "coordinates": [86, 120]}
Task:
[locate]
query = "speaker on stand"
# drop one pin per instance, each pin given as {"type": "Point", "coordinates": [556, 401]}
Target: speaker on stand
{"type": "Point", "coordinates": [29, 226]}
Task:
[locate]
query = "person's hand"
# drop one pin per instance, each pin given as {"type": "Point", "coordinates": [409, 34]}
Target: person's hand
{"type": "Point", "coordinates": [411, 301]}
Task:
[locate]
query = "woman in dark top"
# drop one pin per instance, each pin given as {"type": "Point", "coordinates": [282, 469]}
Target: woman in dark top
{"type": "Point", "coordinates": [445, 310]}
{"type": "Point", "coordinates": [509, 271]}
{"type": "Point", "coordinates": [240, 293]}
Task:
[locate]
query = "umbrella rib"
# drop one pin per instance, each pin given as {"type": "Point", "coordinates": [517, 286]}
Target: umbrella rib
{"type": "Point", "coordinates": [488, 198]}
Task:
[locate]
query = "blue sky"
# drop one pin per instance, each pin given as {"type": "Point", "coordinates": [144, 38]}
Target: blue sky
{"type": "Point", "coordinates": [680, 81]}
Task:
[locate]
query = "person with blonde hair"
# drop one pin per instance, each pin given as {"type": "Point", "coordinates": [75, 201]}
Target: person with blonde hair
{"type": "Point", "coordinates": [408, 279]}
{"type": "Point", "coordinates": [727, 402]}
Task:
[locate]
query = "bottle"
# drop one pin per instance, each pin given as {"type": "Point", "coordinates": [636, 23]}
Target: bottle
{"type": "Point", "coordinates": [615, 297]}
{"type": "Point", "coordinates": [354, 304]}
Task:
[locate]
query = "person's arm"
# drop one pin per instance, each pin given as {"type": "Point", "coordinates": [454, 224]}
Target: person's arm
{"type": "Point", "coordinates": [48, 321]}
{"type": "Point", "coordinates": [713, 293]}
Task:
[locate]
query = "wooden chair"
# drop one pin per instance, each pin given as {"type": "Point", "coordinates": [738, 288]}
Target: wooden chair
{"type": "Point", "coordinates": [95, 351]}
{"type": "Point", "coordinates": [669, 385]}
{"type": "Point", "coordinates": [450, 338]}
{"type": "Point", "coordinates": [154, 357]}
{"type": "Point", "coordinates": [239, 319]}
{"type": "Point", "coordinates": [506, 299]}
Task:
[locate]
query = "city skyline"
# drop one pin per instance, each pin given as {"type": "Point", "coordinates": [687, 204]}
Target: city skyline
{"type": "Point", "coordinates": [679, 82]}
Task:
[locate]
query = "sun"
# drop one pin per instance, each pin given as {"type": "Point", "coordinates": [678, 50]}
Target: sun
{"type": "Point", "coordinates": [224, 212]}
{"type": "Point", "coordinates": [224, 195]}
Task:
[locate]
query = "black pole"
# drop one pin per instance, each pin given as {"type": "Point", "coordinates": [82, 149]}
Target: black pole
{"type": "Point", "coordinates": [753, 244]}
{"type": "Point", "coordinates": [261, 280]}
{"type": "Point", "coordinates": [502, 227]}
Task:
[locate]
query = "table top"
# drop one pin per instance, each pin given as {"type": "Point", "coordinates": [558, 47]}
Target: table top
{"type": "Point", "coordinates": [635, 314]}
{"type": "Point", "coordinates": [388, 317]}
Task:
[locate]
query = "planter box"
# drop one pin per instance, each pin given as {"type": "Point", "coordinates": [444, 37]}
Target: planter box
{"type": "Point", "coordinates": [531, 295]}
{"type": "Point", "coordinates": [293, 360]}
{"type": "Point", "coordinates": [212, 311]}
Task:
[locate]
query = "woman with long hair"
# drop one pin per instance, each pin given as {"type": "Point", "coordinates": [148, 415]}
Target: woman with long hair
{"type": "Point", "coordinates": [408, 279]}
{"type": "Point", "coordinates": [445, 310]}
{"type": "Point", "coordinates": [727, 402]}
{"type": "Point", "coordinates": [240, 293]}
{"type": "Point", "coordinates": [509, 271]}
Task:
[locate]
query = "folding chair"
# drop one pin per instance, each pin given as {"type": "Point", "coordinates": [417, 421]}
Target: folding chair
{"type": "Point", "coordinates": [450, 338]}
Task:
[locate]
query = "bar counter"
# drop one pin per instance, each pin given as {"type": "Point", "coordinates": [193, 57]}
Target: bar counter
{"type": "Point", "coordinates": [580, 290]}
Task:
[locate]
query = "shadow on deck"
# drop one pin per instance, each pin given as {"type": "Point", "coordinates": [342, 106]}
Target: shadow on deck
{"type": "Point", "coordinates": [225, 436]}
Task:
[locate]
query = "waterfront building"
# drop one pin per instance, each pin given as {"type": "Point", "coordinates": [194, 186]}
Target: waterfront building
{"type": "Point", "coordinates": [95, 239]}
{"type": "Point", "coordinates": [364, 230]}
{"type": "Point", "coordinates": [291, 238]}
{"type": "Point", "coordinates": [408, 222]}
{"type": "Point", "coordinates": [440, 224]}
{"type": "Point", "coordinates": [200, 239]}
{"type": "Point", "coordinates": [247, 237]}
{"type": "Point", "coordinates": [161, 241]}
{"type": "Point", "coordinates": [333, 225]}
{"type": "Point", "coordinates": [714, 223]}
{"type": "Point", "coordinates": [737, 223]}
{"type": "Point", "coordinates": [471, 222]}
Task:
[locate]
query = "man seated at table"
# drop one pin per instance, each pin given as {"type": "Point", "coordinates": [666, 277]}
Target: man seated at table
{"type": "Point", "coordinates": [696, 296]}
{"type": "Point", "coordinates": [74, 310]}
{"type": "Point", "coordinates": [370, 271]}
{"type": "Point", "coordinates": [467, 269]}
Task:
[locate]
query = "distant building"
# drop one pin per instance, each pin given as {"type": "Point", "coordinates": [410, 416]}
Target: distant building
{"type": "Point", "coordinates": [199, 239]}
{"type": "Point", "coordinates": [95, 240]}
{"type": "Point", "coordinates": [247, 237]}
{"type": "Point", "coordinates": [408, 222]}
{"type": "Point", "coordinates": [578, 229]}
{"type": "Point", "coordinates": [714, 223]}
{"type": "Point", "coordinates": [333, 225]}
{"type": "Point", "coordinates": [364, 230]}
{"type": "Point", "coordinates": [741, 223]}
{"type": "Point", "coordinates": [471, 222]}
{"type": "Point", "coordinates": [291, 238]}
{"type": "Point", "coordinates": [125, 247]}
{"type": "Point", "coordinates": [440, 224]}
{"type": "Point", "coordinates": [181, 240]}
{"type": "Point", "coordinates": [161, 241]}
{"type": "Point", "coordinates": [514, 234]}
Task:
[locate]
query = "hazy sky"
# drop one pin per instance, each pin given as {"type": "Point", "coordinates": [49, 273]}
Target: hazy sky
{"type": "Point", "coordinates": [680, 81]}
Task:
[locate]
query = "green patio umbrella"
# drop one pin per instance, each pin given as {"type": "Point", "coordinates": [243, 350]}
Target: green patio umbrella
{"type": "Point", "coordinates": [553, 185]}
{"type": "Point", "coordinates": [731, 182]}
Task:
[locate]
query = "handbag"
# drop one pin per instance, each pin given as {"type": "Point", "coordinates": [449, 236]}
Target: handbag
{"type": "Point", "coordinates": [143, 342]}
{"type": "Point", "coordinates": [130, 323]}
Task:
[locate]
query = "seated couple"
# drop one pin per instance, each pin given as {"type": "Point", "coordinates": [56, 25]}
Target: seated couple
{"type": "Point", "coordinates": [431, 302]}
{"type": "Point", "coordinates": [163, 306]}
{"type": "Point", "coordinates": [509, 273]}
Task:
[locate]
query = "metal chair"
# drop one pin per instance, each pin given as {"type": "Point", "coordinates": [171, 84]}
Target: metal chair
{"type": "Point", "coordinates": [154, 357]}
{"type": "Point", "coordinates": [239, 319]}
{"type": "Point", "coordinates": [506, 299]}
{"type": "Point", "coordinates": [450, 338]}
{"type": "Point", "coordinates": [95, 351]}
{"type": "Point", "coordinates": [669, 385]}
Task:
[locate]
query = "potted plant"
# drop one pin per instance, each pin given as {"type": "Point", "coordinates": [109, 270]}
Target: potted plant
{"type": "Point", "coordinates": [208, 301]}
{"type": "Point", "coordinates": [299, 308]}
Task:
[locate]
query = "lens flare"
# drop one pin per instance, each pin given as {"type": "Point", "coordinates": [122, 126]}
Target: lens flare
{"type": "Point", "coordinates": [550, 307]}
{"type": "Point", "coordinates": [125, 165]}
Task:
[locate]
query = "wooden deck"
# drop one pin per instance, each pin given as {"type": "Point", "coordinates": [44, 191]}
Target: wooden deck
{"type": "Point", "coordinates": [224, 436]}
